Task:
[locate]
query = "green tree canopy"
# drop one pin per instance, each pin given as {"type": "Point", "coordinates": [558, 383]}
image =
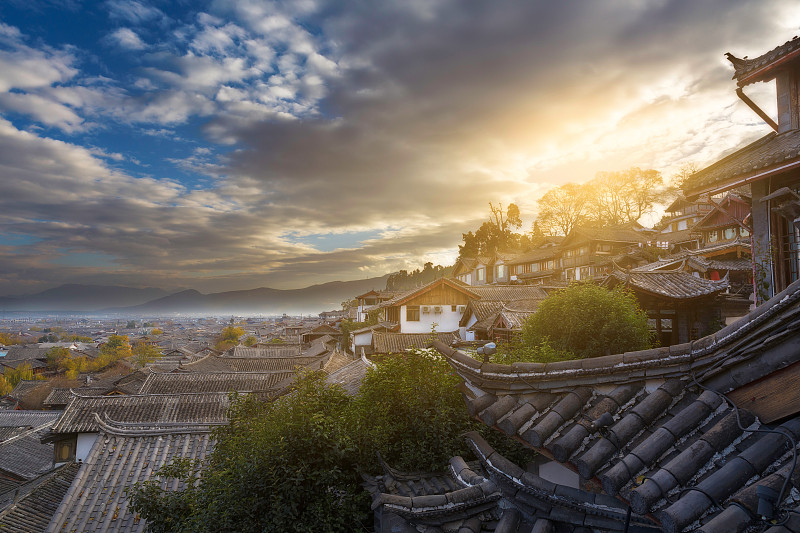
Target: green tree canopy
{"type": "Point", "coordinates": [583, 320]}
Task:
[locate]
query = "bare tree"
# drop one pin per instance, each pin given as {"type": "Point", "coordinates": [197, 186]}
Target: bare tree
{"type": "Point", "coordinates": [561, 209]}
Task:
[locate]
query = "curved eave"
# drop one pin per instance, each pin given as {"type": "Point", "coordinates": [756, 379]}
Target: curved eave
{"type": "Point", "coordinates": [674, 361]}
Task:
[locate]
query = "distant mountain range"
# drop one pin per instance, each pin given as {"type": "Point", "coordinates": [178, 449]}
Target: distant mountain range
{"type": "Point", "coordinates": [152, 301]}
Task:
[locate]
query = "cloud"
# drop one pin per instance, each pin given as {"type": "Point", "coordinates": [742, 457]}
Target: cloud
{"type": "Point", "coordinates": [127, 39]}
{"type": "Point", "coordinates": [397, 119]}
{"type": "Point", "coordinates": [133, 11]}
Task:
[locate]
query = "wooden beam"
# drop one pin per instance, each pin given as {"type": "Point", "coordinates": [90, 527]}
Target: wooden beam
{"type": "Point", "coordinates": [772, 397]}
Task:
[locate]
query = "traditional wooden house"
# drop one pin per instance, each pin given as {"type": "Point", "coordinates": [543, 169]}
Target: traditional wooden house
{"type": "Point", "coordinates": [536, 266]}
{"type": "Point", "coordinates": [681, 307]}
{"type": "Point", "coordinates": [474, 270]}
{"type": "Point", "coordinates": [318, 332]}
{"type": "Point", "coordinates": [770, 166]}
{"type": "Point", "coordinates": [369, 301]}
{"type": "Point", "coordinates": [589, 252]}
{"type": "Point", "coordinates": [725, 223]}
{"type": "Point", "coordinates": [674, 229]}
{"type": "Point", "coordinates": [437, 305]}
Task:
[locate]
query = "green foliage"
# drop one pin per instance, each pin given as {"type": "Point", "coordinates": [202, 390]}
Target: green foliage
{"type": "Point", "coordinates": [56, 357]}
{"type": "Point", "coordinates": [250, 341]}
{"type": "Point", "coordinates": [348, 326]}
{"type": "Point", "coordinates": [538, 352]}
{"type": "Point", "coordinates": [404, 279]}
{"type": "Point", "coordinates": [144, 353]}
{"type": "Point", "coordinates": [495, 234]}
{"type": "Point", "coordinates": [282, 466]}
{"type": "Point", "coordinates": [229, 337]}
{"type": "Point", "coordinates": [23, 372]}
{"type": "Point", "coordinates": [131, 324]}
{"type": "Point", "coordinates": [587, 321]}
{"type": "Point", "coordinates": [295, 464]}
{"type": "Point", "coordinates": [118, 347]}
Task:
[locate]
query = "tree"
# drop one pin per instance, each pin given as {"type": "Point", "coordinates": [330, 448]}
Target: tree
{"type": "Point", "coordinates": [250, 341]}
{"type": "Point", "coordinates": [118, 347]}
{"type": "Point", "coordinates": [156, 331]}
{"type": "Point", "coordinates": [623, 196]}
{"type": "Point", "coordinates": [581, 321]}
{"type": "Point", "coordinates": [144, 353]}
{"type": "Point", "coordinates": [228, 337]}
{"type": "Point", "coordinates": [57, 357]}
{"type": "Point", "coordinates": [494, 234]}
{"type": "Point", "coordinates": [561, 209]}
{"type": "Point", "coordinates": [131, 324]}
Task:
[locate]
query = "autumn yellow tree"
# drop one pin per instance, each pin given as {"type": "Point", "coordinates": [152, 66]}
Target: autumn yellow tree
{"type": "Point", "coordinates": [144, 352]}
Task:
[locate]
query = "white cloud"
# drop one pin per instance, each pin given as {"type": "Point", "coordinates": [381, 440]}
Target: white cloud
{"type": "Point", "coordinates": [133, 11]}
{"type": "Point", "coordinates": [127, 39]}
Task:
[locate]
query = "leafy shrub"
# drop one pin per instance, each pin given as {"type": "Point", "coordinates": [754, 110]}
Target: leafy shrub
{"type": "Point", "coordinates": [585, 320]}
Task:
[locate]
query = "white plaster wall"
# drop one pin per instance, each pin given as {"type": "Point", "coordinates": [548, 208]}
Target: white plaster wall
{"type": "Point", "coordinates": [445, 321]}
{"type": "Point", "coordinates": [362, 339]}
{"type": "Point", "coordinates": [84, 445]}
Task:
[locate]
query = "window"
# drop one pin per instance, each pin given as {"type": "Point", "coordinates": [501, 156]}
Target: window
{"type": "Point", "coordinates": [65, 450]}
{"type": "Point", "coordinates": [728, 233]}
{"type": "Point", "coordinates": [682, 225]}
{"type": "Point", "coordinates": [481, 274]}
{"type": "Point", "coordinates": [744, 232]}
{"type": "Point", "coordinates": [412, 313]}
{"type": "Point", "coordinates": [501, 271]}
{"type": "Point", "coordinates": [453, 308]}
{"type": "Point", "coordinates": [603, 247]}
{"type": "Point", "coordinates": [712, 236]}
{"type": "Point", "coordinates": [584, 272]}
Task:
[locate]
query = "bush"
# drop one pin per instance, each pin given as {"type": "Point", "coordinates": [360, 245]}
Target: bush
{"type": "Point", "coordinates": [585, 320]}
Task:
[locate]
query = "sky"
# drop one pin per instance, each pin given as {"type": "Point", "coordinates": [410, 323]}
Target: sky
{"type": "Point", "coordinates": [234, 144]}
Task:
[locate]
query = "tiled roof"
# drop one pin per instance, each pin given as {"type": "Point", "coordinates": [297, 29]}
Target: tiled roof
{"type": "Point", "coordinates": [351, 375]}
{"type": "Point", "coordinates": [507, 293]}
{"type": "Point", "coordinates": [132, 383]}
{"type": "Point", "coordinates": [24, 387]}
{"type": "Point", "coordinates": [124, 455]}
{"type": "Point", "coordinates": [187, 382]}
{"type": "Point", "coordinates": [773, 150]}
{"type": "Point", "coordinates": [79, 416]}
{"type": "Point", "coordinates": [37, 501]}
{"type": "Point", "coordinates": [462, 500]}
{"type": "Point", "coordinates": [534, 255]}
{"type": "Point", "coordinates": [19, 353]}
{"type": "Point", "coordinates": [27, 419]}
{"type": "Point", "coordinates": [61, 396]}
{"type": "Point", "coordinates": [406, 295]}
{"type": "Point", "coordinates": [673, 450]}
{"type": "Point", "coordinates": [676, 259]}
{"type": "Point", "coordinates": [400, 342]}
{"type": "Point", "coordinates": [374, 327]}
{"type": "Point", "coordinates": [702, 264]}
{"type": "Point", "coordinates": [485, 312]}
{"type": "Point", "coordinates": [24, 455]}
{"type": "Point", "coordinates": [674, 285]}
{"type": "Point", "coordinates": [277, 350]}
{"type": "Point", "coordinates": [748, 71]}
{"type": "Point", "coordinates": [213, 363]}
{"type": "Point", "coordinates": [623, 233]}
{"type": "Point", "coordinates": [336, 361]}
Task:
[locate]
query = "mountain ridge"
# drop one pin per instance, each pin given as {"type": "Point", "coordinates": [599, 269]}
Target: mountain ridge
{"type": "Point", "coordinates": [261, 300]}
